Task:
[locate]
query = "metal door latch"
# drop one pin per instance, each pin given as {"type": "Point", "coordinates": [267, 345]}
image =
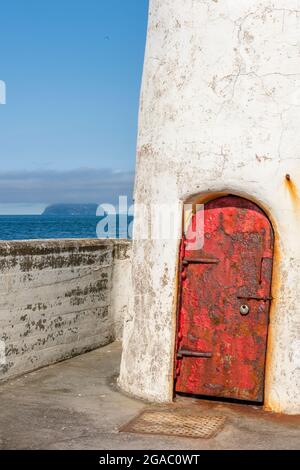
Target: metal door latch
{"type": "Point", "coordinates": [253, 297]}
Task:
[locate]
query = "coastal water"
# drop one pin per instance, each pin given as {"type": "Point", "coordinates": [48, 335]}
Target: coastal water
{"type": "Point", "coordinates": [44, 227]}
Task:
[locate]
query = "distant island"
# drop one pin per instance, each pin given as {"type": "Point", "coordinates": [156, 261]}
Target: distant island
{"type": "Point", "coordinates": [71, 210]}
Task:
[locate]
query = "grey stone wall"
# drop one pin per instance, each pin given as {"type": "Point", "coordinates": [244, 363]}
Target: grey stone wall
{"type": "Point", "coordinates": [59, 299]}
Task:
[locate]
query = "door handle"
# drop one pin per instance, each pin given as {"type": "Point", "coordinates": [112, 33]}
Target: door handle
{"type": "Point", "coordinates": [187, 353]}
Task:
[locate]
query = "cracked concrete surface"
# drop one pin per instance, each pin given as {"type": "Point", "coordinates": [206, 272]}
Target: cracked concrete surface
{"type": "Point", "coordinates": [77, 405]}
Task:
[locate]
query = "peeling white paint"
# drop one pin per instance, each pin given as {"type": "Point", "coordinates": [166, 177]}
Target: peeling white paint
{"type": "Point", "coordinates": [220, 112]}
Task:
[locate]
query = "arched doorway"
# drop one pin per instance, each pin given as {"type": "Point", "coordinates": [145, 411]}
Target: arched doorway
{"type": "Point", "coordinates": [224, 303]}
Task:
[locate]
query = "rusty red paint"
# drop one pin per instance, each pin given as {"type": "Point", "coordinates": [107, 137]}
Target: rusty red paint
{"type": "Point", "coordinates": [238, 245]}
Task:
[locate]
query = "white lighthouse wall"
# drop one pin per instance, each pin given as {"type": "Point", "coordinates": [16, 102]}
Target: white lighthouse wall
{"type": "Point", "coordinates": [219, 113]}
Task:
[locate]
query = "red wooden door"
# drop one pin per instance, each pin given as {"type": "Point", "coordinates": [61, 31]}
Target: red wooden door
{"type": "Point", "coordinates": [224, 303]}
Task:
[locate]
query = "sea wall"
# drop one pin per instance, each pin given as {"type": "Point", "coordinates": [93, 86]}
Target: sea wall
{"type": "Point", "coordinates": [59, 299]}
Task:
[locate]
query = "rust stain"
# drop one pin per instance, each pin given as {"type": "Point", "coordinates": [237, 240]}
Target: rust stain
{"type": "Point", "coordinates": [249, 411]}
{"type": "Point", "coordinates": [269, 404]}
{"type": "Point", "coordinates": [293, 193]}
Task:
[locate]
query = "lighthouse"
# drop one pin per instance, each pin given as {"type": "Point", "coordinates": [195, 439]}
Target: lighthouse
{"type": "Point", "coordinates": [218, 129]}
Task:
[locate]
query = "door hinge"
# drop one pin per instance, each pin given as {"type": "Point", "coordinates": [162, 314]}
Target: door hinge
{"type": "Point", "coordinates": [184, 352]}
{"type": "Point", "coordinates": [187, 261]}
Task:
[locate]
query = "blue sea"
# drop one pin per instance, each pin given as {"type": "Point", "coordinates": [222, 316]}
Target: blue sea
{"type": "Point", "coordinates": [31, 227]}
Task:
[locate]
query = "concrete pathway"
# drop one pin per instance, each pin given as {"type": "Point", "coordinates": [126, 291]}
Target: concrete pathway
{"type": "Point", "coordinates": [76, 405]}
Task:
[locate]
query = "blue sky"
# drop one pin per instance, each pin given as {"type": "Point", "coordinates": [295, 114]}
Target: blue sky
{"type": "Point", "coordinates": [72, 70]}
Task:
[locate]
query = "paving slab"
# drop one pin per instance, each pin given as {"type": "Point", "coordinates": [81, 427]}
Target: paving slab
{"type": "Point", "coordinates": [76, 404]}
